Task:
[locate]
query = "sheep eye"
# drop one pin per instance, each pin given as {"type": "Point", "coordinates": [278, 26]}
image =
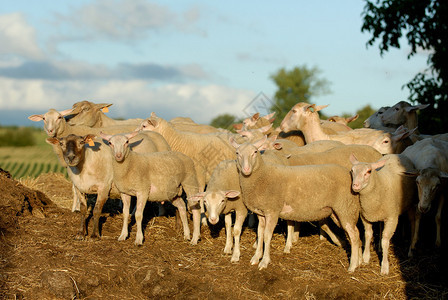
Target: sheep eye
{"type": "Point", "coordinates": [60, 117]}
{"type": "Point", "coordinates": [386, 142]}
{"type": "Point", "coordinates": [397, 109]}
{"type": "Point", "coordinates": [255, 151]}
{"type": "Point", "coordinates": [369, 171]}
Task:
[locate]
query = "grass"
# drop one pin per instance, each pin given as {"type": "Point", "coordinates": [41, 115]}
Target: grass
{"type": "Point", "coordinates": [30, 161]}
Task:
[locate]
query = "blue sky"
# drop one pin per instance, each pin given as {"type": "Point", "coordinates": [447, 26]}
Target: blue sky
{"type": "Point", "coordinates": [188, 58]}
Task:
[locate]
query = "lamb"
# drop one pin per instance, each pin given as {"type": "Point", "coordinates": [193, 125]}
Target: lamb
{"type": "Point", "coordinates": [297, 202]}
{"type": "Point", "coordinates": [90, 114]}
{"type": "Point", "coordinates": [402, 113]}
{"type": "Point", "coordinates": [90, 170]}
{"type": "Point", "coordinates": [431, 161]}
{"type": "Point", "coordinates": [223, 195]}
{"type": "Point", "coordinates": [342, 120]}
{"type": "Point", "coordinates": [384, 195]}
{"type": "Point", "coordinates": [157, 177]}
{"type": "Point", "coordinates": [303, 116]}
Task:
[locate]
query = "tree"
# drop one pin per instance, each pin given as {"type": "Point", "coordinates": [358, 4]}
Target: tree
{"type": "Point", "coordinates": [296, 85]}
{"type": "Point", "coordinates": [224, 121]}
{"type": "Point", "coordinates": [423, 22]}
{"type": "Point", "coordinates": [363, 113]}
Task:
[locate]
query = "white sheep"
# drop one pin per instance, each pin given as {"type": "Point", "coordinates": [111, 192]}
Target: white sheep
{"type": "Point", "coordinates": [89, 166]}
{"type": "Point", "coordinates": [430, 158]}
{"type": "Point", "coordinates": [268, 191]}
{"type": "Point", "coordinates": [374, 121]}
{"type": "Point", "coordinates": [402, 113]}
{"type": "Point", "coordinates": [157, 177]}
{"type": "Point", "coordinates": [55, 125]}
{"type": "Point", "coordinates": [206, 150]}
{"type": "Point", "coordinates": [304, 116]}
{"type": "Point", "coordinates": [384, 195]}
{"type": "Point", "coordinates": [222, 196]}
{"type": "Point", "coordinates": [90, 114]}
{"type": "Point", "coordinates": [342, 120]}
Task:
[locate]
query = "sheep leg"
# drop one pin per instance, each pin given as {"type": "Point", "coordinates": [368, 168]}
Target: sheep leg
{"type": "Point", "coordinates": [84, 215]}
{"type": "Point", "coordinates": [271, 222]}
{"type": "Point", "coordinates": [289, 236]}
{"type": "Point", "coordinates": [126, 199]}
{"type": "Point", "coordinates": [368, 236]}
{"type": "Point", "coordinates": [101, 198]}
{"type": "Point", "coordinates": [180, 204]}
{"type": "Point", "coordinates": [324, 227]}
{"type": "Point", "coordinates": [438, 220]}
{"type": "Point", "coordinates": [260, 232]}
{"type": "Point", "coordinates": [295, 237]}
{"type": "Point", "coordinates": [237, 228]}
{"type": "Point", "coordinates": [196, 225]}
{"type": "Point", "coordinates": [142, 197]}
{"type": "Point", "coordinates": [414, 219]}
{"type": "Point", "coordinates": [76, 206]}
{"type": "Point", "coordinates": [355, 245]}
{"type": "Point", "coordinates": [229, 238]}
{"type": "Point", "coordinates": [389, 228]}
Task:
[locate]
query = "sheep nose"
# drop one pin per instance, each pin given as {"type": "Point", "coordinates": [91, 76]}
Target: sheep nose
{"type": "Point", "coordinates": [356, 186]}
{"type": "Point", "coordinates": [71, 157]}
{"type": "Point", "coordinates": [423, 209]}
{"type": "Point", "coordinates": [213, 220]}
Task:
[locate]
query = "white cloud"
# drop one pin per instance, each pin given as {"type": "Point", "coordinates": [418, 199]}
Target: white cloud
{"type": "Point", "coordinates": [17, 37]}
{"type": "Point", "coordinates": [132, 98]}
{"type": "Point", "coordinates": [126, 19]}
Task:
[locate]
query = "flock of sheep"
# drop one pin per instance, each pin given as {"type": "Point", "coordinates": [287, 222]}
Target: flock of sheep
{"type": "Point", "coordinates": [305, 170]}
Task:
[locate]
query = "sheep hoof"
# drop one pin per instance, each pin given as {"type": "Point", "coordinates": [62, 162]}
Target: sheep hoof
{"type": "Point", "coordinates": [235, 258]}
{"type": "Point", "coordinates": [80, 236]}
{"type": "Point", "coordinates": [194, 241]}
{"type": "Point", "coordinates": [263, 264]}
{"type": "Point", "coordinates": [228, 250]}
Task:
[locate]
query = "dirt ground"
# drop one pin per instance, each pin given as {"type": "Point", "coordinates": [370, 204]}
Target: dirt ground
{"type": "Point", "coordinates": [40, 258]}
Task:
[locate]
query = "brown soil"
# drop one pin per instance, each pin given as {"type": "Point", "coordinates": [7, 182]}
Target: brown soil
{"type": "Point", "coordinates": [40, 258]}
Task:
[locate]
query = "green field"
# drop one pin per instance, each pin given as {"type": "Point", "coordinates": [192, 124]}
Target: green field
{"type": "Point", "coordinates": [30, 161]}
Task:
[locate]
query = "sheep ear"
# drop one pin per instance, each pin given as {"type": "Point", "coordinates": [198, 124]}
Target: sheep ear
{"type": "Point", "coordinates": [310, 108]}
{"type": "Point", "coordinates": [52, 141]}
{"type": "Point", "coordinates": [153, 122]}
{"type": "Point", "coordinates": [255, 117]}
{"type": "Point", "coordinates": [232, 194]}
{"type": "Point", "coordinates": [265, 128]}
{"type": "Point", "coordinates": [412, 173]}
{"type": "Point", "coordinates": [260, 144]}
{"type": "Point", "coordinates": [351, 119]}
{"type": "Point", "coordinates": [103, 105]}
{"type": "Point", "coordinates": [153, 114]}
{"type": "Point", "coordinates": [378, 164]}
{"type": "Point", "coordinates": [269, 116]}
{"type": "Point", "coordinates": [131, 135]}
{"type": "Point", "coordinates": [233, 143]}
{"type": "Point", "coordinates": [277, 146]}
{"type": "Point", "coordinates": [196, 198]}
{"type": "Point", "coordinates": [443, 178]}
{"type": "Point", "coordinates": [238, 126]}
{"type": "Point", "coordinates": [416, 107]}
{"type": "Point", "coordinates": [36, 118]}
{"type": "Point", "coordinates": [89, 138]}
{"type": "Point", "coordinates": [66, 112]}
{"type": "Point", "coordinates": [104, 136]}
{"type": "Point", "coordinates": [353, 159]}
{"type": "Point", "coordinates": [320, 107]}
